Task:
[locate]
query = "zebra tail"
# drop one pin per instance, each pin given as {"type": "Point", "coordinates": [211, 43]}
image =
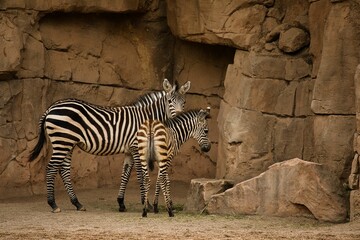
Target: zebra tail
{"type": "Point", "coordinates": [151, 148]}
{"type": "Point", "coordinates": [41, 141]}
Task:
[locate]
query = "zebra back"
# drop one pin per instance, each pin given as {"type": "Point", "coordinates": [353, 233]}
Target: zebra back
{"type": "Point", "coordinates": [105, 130]}
{"type": "Point", "coordinates": [160, 141]}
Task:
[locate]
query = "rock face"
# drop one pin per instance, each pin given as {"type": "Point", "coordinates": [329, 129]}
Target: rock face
{"type": "Point", "coordinates": [290, 188]}
{"type": "Point", "coordinates": [278, 75]}
{"type": "Point", "coordinates": [355, 205]}
{"type": "Point", "coordinates": [236, 24]}
{"type": "Point", "coordinates": [93, 51]}
{"type": "Point", "coordinates": [280, 102]}
{"type": "Point", "coordinates": [201, 190]}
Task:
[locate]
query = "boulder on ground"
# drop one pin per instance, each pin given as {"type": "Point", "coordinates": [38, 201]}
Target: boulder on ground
{"type": "Point", "coordinates": [202, 189]}
{"type": "Point", "coordinates": [290, 188]}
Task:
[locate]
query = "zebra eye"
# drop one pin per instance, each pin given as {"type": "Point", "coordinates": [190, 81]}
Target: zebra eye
{"type": "Point", "coordinates": [206, 130]}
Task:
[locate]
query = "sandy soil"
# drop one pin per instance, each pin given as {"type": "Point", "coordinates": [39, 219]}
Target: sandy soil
{"type": "Point", "coordinates": [30, 218]}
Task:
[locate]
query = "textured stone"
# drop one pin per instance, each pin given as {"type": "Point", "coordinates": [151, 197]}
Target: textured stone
{"type": "Point", "coordinates": [291, 188]}
{"type": "Point", "coordinates": [204, 65]}
{"type": "Point", "coordinates": [201, 190]}
{"type": "Point", "coordinates": [275, 106]}
{"type": "Point", "coordinates": [303, 98]}
{"type": "Point", "coordinates": [33, 59]}
{"type": "Point", "coordinates": [271, 66]}
{"type": "Point", "coordinates": [106, 59]}
{"type": "Point", "coordinates": [357, 96]}
{"type": "Point", "coordinates": [293, 40]}
{"type": "Point", "coordinates": [10, 45]}
{"type": "Point", "coordinates": [354, 205]}
{"type": "Point", "coordinates": [318, 10]}
{"type": "Point", "coordinates": [334, 148]}
{"type": "Point", "coordinates": [264, 95]}
{"type": "Point", "coordinates": [245, 143]}
{"type": "Point", "coordinates": [69, 5]}
{"type": "Point", "coordinates": [237, 24]}
{"type": "Point", "coordinates": [57, 65]}
{"type": "Point", "coordinates": [334, 87]}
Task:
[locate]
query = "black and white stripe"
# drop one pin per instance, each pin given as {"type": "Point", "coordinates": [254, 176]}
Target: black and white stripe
{"type": "Point", "coordinates": [99, 130]}
{"type": "Point", "coordinates": [160, 142]}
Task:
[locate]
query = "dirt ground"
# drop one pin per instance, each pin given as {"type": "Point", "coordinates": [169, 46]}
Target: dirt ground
{"type": "Point", "coordinates": [30, 218]}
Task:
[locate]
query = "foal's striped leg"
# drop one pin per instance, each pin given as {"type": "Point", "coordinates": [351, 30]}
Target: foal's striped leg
{"type": "Point", "coordinates": [146, 182]}
{"type": "Point", "coordinates": [156, 197]}
{"type": "Point", "coordinates": [165, 187]}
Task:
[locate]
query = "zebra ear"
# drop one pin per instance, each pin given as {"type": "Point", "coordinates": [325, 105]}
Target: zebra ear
{"type": "Point", "coordinates": [167, 85]}
{"type": "Point", "coordinates": [184, 88]}
{"type": "Point", "coordinates": [204, 114]}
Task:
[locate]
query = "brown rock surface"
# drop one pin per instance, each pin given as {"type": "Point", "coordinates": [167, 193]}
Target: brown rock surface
{"type": "Point", "coordinates": [293, 40]}
{"type": "Point", "coordinates": [270, 106]}
{"type": "Point", "coordinates": [55, 51]}
{"type": "Point", "coordinates": [355, 205]}
{"type": "Point", "coordinates": [201, 190]}
{"type": "Point", "coordinates": [291, 188]}
{"type": "Point", "coordinates": [237, 23]}
{"type": "Point", "coordinates": [334, 86]}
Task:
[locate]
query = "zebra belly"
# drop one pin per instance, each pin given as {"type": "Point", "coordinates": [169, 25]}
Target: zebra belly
{"type": "Point", "coordinates": [101, 151]}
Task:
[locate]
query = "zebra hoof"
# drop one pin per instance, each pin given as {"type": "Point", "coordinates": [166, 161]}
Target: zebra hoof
{"type": "Point", "coordinates": [122, 209]}
{"type": "Point", "coordinates": [156, 209]}
{"type": "Point", "coordinates": [82, 208]}
{"type": "Point", "coordinates": [56, 210]}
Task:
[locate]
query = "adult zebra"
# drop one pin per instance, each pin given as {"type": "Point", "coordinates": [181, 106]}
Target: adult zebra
{"type": "Point", "coordinates": [160, 142]}
{"type": "Point", "coordinates": [99, 130]}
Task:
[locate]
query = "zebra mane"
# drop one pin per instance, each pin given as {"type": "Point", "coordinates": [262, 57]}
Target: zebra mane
{"type": "Point", "coordinates": [148, 98]}
{"type": "Point", "coordinates": [180, 117]}
{"type": "Point", "coordinates": [152, 96]}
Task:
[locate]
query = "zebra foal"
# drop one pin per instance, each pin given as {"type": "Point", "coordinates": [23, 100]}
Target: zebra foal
{"type": "Point", "coordinates": [160, 141]}
{"type": "Point", "coordinates": [99, 130]}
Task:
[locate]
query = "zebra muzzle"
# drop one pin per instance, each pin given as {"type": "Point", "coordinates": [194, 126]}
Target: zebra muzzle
{"type": "Point", "coordinates": [206, 148]}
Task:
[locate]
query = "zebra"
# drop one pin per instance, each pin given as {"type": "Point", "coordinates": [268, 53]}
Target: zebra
{"type": "Point", "coordinates": [99, 130]}
{"type": "Point", "coordinates": [160, 141]}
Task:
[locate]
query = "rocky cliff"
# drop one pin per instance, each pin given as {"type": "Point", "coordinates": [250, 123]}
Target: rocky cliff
{"type": "Point", "coordinates": [290, 91]}
{"type": "Point", "coordinates": [279, 76]}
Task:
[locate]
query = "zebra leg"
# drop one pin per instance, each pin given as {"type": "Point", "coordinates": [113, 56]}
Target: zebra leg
{"type": "Point", "coordinates": [146, 179]}
{"type": "Point", "coordinates": [139, 173]}
{"type": "Point", "coordinates": [51, 171]}
{"type": "Point", "coordinates": [65, 175]}
{"type": "Point", "coordinates": [140, 179]}
{"type": "Point", "coordinates": [165, 187]}
{"type": "Point", "coordinates": [156, 196]}
{"type": "Point", "coordinates": [125, 176]}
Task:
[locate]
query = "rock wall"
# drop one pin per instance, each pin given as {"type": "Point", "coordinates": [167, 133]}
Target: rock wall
{"type": "Point", "coordinates": [290, 90]}
{"type": "Point", "coordinates": [279, 76]}
{"type": "Point", "coordinates": [104, 53]}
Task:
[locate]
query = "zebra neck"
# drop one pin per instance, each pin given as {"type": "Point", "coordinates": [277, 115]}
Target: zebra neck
{"type": "Point", "coordinates": [181, 132]}
{"type": "Point", "coordinates": [157, 111]}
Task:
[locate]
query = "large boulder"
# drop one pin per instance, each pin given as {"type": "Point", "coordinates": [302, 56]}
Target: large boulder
{"type": "Point", "coordinates": [290, 188]}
